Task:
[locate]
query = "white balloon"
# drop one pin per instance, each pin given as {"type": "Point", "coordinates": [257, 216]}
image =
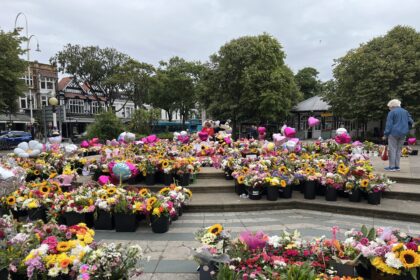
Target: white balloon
{"type": "Point", "coordinates": [184, 133]}
{"type": "Point", "coordinates": [341, 130]}
{"type": "Point", "coordinates": [34, 153]}
{"type": "Point", "coordinates": [33, 144]}
{"type": "Point", "coordinates": [18, 151]}
{"type": "Point", "coordinates": [291, 145]}
{"type": "Point", "coordinates": [24, 146]}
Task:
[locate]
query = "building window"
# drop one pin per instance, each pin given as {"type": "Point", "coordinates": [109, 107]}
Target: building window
{"type": "Point", "coordinates": [28, 81]}
{"type": "Point", "coordinates": [97, 107]}
{"type": "Point", "coordinates": [129, 112]}
{"type": "Point", "coordinates": [44, 101]}
{"type": "Point", "coordinates": [76, 106]}
{"type": "Point", "coordinates": [23, 103]}
{"type": "Point", "coordinates": [47, 83]}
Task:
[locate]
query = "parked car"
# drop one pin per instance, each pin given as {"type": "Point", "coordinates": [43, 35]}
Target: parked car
{"type": "Point", "coordinates": [11, 139]}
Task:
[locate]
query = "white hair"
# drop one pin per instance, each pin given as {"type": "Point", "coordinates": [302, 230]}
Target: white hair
{"type": "Point", "coordinates": [394, 103]}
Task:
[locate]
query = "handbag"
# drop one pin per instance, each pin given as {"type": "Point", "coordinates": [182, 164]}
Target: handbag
{"type": "Point", "coordinates": [384, 155]}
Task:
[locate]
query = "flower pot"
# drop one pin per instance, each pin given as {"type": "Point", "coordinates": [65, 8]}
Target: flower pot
{"type": "Point", "coordinates": [378, 275]}
{"type": "Point", "coordinates": [168, 179]}
{"type": "Point", "coordinates": [374, 198]}
{"type": "Point", "coordinates": [17, 276]}
{"type": "Point", "coordinates": [228, 174]}
{"type": "Point", "coordinates": [180, 211]}
{"type": "Point", "coordinates": [4, 211]}
{"type": "Point", "coordinates": [150, 179]}
{"type": "Point", "coordinates": [104, 220]}
{"type": "Point", "coordinates": [298, 187]}
{"type": "Point", "coordinates": [239, 188]}
{"type": "Point", "coordinates": [330, 194]}
{"type": "Point", "coordinates": [286, 192]}
{"type": "Point", "coordinates": [125, 222]}
{"type": "Point", "coordinates": [363, 271]}
{"type": "Point", "coordinates": [4, 274]}
{"type": "Point", "coordinates": [160, 224]}
{"type": "Point", "coordinates": [74, 218]}
{"type": "Point", "coordinates": [342, 193]}
{"type": "Point", "coordinates": [344, 269]}
{"type": "Point", "coordinates": [414, 153]}
{"type": "Point", "coordinates": [19, 213]}
{"type": "Point", "coordinates": [254, 193]}
{"type": "Point", "coordinates": [159, 177]}
{"type": "Point", "coordinates": [37, 214]}
{"type": "Point", "coordinates": [185, 179]}
{"type": "Point", "coordinates": [206, 271]}
{"type": "Point", "coordinates": [309, 190]}
{"type": "Point", "coordinates": [272, 193]}
{"type": "Point", "coordinates": [355, 195]}
{"type": "Point", "coordinates": [320, 189]}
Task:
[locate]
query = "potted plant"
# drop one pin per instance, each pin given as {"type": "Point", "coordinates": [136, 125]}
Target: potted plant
{"type": "Point", "coordinates": [106, 199]}
{"type": "Point", "coordinates": [160, 213]}
{"type": "Point", "coordinates": [273, 184]}
{"type": "Point", "coordinates": [125, 213]}
{"type": "Point", "coordinates": [79, 206]}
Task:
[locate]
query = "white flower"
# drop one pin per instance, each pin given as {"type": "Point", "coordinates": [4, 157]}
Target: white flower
{"type": "Point", "coordinates": [392, 260]}
{"type": "Point", "coordinates": [53, 272]}
{"type": "Point", "coordinates": [43, 249]}
{"type": "Point", "coordinates": [274, 241]}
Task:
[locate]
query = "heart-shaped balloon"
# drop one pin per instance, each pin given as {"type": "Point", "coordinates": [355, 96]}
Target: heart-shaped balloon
{"type": "Point", "coordinates": [84, 144]}
{"type": "Point", "coordinates": [411, 141]}
{"type": "Point", "coordinates": [313, 121]}
{"type": "Point", "coordinates": [203, 135]}
{"type": "Point", "coordinates": [289, 132]}
{"type": "Point", "coordinates": [103, 180]}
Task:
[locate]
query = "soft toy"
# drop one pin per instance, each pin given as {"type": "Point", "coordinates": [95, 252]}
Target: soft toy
{"type": "Point", "coordinates": [55, 139]}
{"type": "Point", "coordinates": [31, 149]}
{"type": "Point", "coordinates": [183, 137]}
{"type": "Point", "coordinates": [70, 148]}
{"type": "Point", "coordinates": [126, 137]}
{"type": "Point", "coordinates": [278, 139]}
{"type": "Point", "coordinates": [261, 133]}
{"type": "Point", "coordinates": [226, 127]}
{"type": "Point", "coordinates": [313, 121]}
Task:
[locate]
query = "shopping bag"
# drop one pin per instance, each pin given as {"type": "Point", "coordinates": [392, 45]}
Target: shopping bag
{"type": "Point", "coordinates": [384, 155]}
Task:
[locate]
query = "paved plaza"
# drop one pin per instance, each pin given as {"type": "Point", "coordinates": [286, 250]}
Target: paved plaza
{"type": "Point", "coordinates": [170, 253]}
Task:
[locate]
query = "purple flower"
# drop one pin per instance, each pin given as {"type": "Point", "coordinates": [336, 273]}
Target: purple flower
{"type": "Point", "coordinates": [253, 241]}
{"type": "Point", "coordinates": [411, 246]}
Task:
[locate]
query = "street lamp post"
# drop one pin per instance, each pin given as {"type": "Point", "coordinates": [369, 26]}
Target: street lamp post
{"type": "Point", "coordinates": [29, 66]}
{"type": "Point", "coordinates": [54, 102]}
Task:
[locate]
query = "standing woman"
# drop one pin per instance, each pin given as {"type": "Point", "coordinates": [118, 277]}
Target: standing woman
{"type": "Point", "coordinates": [398, 124]}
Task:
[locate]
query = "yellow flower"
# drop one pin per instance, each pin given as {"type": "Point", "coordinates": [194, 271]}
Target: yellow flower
{"type": "Point", "coordinates": [53, 175]}
{"type": "Point", "coordinates": [156, 212]}
{"type": "Point", "coordinates": [11, 200]}
{"type": "Point", "coordinates": [215, 229]}
{"type": "Point", "coordinates": [164, 191]}
{"type": "Point", "coordinates": [111, 190]}
{"type": "Point", "coordinates": [63, 246]}
{"type": "Point", "coordinates": [165, 163]}
{"type": "Point", "coordinates": [397, 247]}
{"type": "Point", "coordinates": [241, 180]}
{"type": "Point", "coordinates": [143, 192]}
{"type": "Point", "coordinates": [44, 189]}
{"type": "Point", "coordinates": [151, 201]}
{"type": "Point", "coordinates": [138, 206]}
{"type": "Point", "coordinates": [283, 169]}
{"type": "Point", "coordinates": [283, 183]}
{"type": "Point", "coordinates": [188, 192]}
{"type": "Point", "coordinates": [364, 183]}
{"type": "Point", "coordinates": [37, 172]}
{"type": "Point", "coordinates": [382, 266]}
{"type": "Point", "coordinates": [409, 259]}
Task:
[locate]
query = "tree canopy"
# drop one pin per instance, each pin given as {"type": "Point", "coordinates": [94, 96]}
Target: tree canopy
{"type": "Point", "coordinates": [247, 80]}
{"type": "Point", "coordinates": [308, 82]}
{"type": "Point", "coordinates": [12, 69]}
{"type": "Point", "coordinates": [93, 66]}
{"type": "Point", "coordinates": [368, 77]}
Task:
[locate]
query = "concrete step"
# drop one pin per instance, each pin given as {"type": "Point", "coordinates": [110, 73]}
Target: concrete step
{"type": "Point", "coordinates": [230, 202]}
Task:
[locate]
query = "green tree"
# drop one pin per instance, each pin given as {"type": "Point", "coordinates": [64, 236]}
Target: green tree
{"type": "Point", "coordinates": [93, 66]}
{"type": "Point", "coordinates": [308, 82]}
{"type": "Point", "coordinates": [176, 85]}
{"type": "Point", "coordinates": [248, 80]}
{"type": "Point", "coordinates": [135, 80]}
{"type": "Point", "coordinates": [106, 126]}
{"type": "Point", "coordinates": [143, 120]}
{"type": "Point", "coordinates": [368, 77]}
{"type": "Point", "coordinates": [12, 69]}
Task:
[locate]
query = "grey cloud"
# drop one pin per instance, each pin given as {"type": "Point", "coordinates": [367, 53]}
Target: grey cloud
{"type": "Point", "coordinates": [313, 33]}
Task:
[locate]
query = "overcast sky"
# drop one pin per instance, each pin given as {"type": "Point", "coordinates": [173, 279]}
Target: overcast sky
{"type": "Point", "coordinates": [312, 32]}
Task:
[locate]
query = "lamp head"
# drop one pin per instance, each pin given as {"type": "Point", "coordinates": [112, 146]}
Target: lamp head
{"type": "Point", "coordinates": [53, 101]}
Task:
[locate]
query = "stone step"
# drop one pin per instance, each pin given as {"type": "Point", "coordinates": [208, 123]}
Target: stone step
{"type": "Point", "coordinates": [227, 202]}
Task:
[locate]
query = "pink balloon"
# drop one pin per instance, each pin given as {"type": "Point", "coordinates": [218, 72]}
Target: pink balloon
{"type": "Point", "coordinates": [103, 180]}
{"type": "Point", "coordinates": [343, 138]}
{"type": "Point", "coordinates": [313, 121]}
{"type": "Point", "coordinates": [261, 130]}
{"type": "Point", "coordinates": [289, 132]}
{"type": "Point", "coordinates": [84, 144]}
{"type": "Point", "coordinates": [152, 138]}
{"type": "Point", "coordinates": [357, 143]}
{"type": "Point", "coordinates": [183, 139]}
{"type": "Point", "coordinates": [133, 169]}
{"type": "Point", "coordinates": [203, 135]}
{"type": "Point", "coordinates": [412, 141]}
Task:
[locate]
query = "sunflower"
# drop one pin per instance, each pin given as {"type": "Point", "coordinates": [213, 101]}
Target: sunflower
{"type": "Point", "coordinates": [164, 191]}
{"type": "Point", "coordinates": [151, 201]}
{"type": "Point", "coordinates": [165, 163]}
{"type": "Point", "coordinates": [409, 259]}
{"type": "Point", "coordinates": [283, 183]}
{"type": "Point", "coordinates": [37, 172]}
{"type": "Point", "coordinates": [11, 200]}
{"type": "Point", "coordinates": [188, 192]}
{"type": "Point", "coordinates": [245, 169]}
{"type": "Point", "coordinates": [104, 197]}
{"type": "Point", "coordinates": [111, 190]}
{"type": "Point", "coordinates": [44, 189]}
{"type": "Point", "coordinates": [56, 184]}
{"type": "Point", "coordinates": [364, 183]}
{"type": "Point", "coordinates": [53, 175]}
{"type": "Point", "coordinates": [203, 148]}
{"type": "Point", "coordinates": [397, 247]}
{"type": "Point", "coordinates": [183, 149]}
{"type": "Point", "coordinates": [215, 229]}
{"type": "Point", "coordinates": [144, 192]}
{"type": "Point", "coordinates": [63, 246]}
{"type": "Point", "coordinates": [321, 165]}
{"type": "Point", "coordinates": [283, 169]}
{"type": "Point", "coordinates": [241, 180]}
{"type": "Point", "coordinates": [382, 266]}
